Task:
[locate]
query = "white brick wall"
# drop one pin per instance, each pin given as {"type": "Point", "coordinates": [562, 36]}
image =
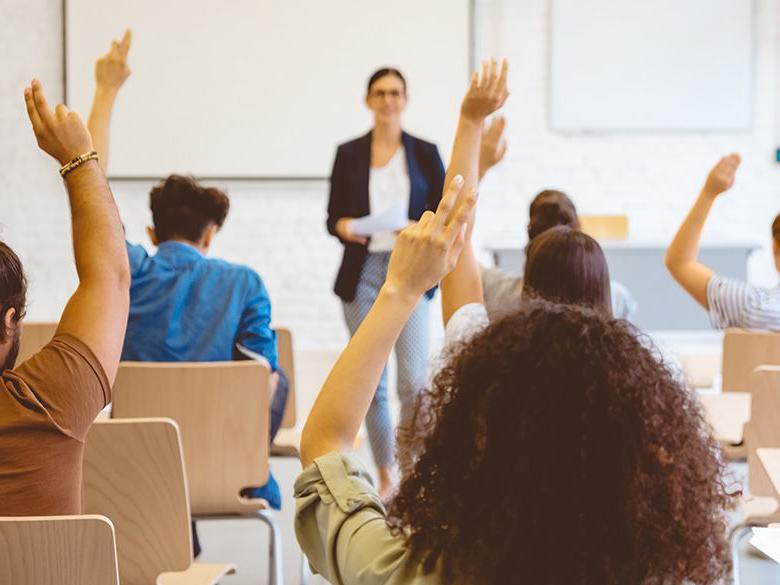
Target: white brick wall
{"type": "Point", "coordinates": [278, 228]}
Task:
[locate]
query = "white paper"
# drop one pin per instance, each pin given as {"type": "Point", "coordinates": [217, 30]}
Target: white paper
{"type": "Point", "coordinates": [767, 540]}
{"type": "Point", "coordinates": [392, 219]}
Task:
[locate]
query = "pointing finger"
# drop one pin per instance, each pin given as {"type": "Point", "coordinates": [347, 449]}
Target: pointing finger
{"type": "Point", "coordinates": [461, 217]}
{"type": "Point", "coordinates": [448, 201]}
{"type": "Point", "coordinates": [124, 44]}
{"type": "Point", "coordinates": [502, 75]}
{"type": "Point", "coordinates": [32, 112]}
{"type": "Point", "coordinates": [456, 247]}
{"type": "Point", "coordinates": [474, 81]}
{"type": "Point", "coordinates": [483, 76]}
{"type": "Point", "coordinates": [492, 71]}
{"type": "Point", "coordinates": [41, 105]}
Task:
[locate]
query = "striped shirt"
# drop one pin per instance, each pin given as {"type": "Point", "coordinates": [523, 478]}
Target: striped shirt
{"type": "Point", "coordinates": [733, 303]}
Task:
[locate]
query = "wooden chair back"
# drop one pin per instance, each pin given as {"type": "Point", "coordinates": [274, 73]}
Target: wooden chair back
{"type": "Point", "coordinates": [57, 550]}
{"type": "Point", "coordinates": [134, 474]}
{"type": "Point", "coordinates": [222, 412]}
{"type": "Point", "coordinates": [34, 336]}
{"type": "Point", "coordinates": [605, 227]}
{"type": "Point", "coordinates": [763, 429]}
{"type": "Point", "coordinates": [284, 344]}
{"type": "Point", "coordinates": [743, 351]}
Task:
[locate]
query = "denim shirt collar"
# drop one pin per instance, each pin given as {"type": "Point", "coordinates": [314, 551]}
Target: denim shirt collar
{"type": "Point", "coordinates": [178, 253]}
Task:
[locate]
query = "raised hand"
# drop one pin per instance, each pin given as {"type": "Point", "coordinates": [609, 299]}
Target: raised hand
{"type": "Point", "coordinates": [111, 69]}
{"type": "Point", "coordinates": [493, 145]}
{"type": "Point", "coordinates": [487, 91]}
{"type": "Point", "coordinates": [60, 133]}
{"type": "Point", "coordinates": [722, 175]}
{"type": "Point", "coordinates": [427, 251]}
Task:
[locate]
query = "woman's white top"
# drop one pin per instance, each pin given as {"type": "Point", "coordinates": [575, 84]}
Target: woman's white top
{"type": "Point", "coordinates": [388, 186]}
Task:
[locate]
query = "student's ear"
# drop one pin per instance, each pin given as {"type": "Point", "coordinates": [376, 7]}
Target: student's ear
{"type": "Point", "coordinates": [211, 231]}
{"type": "Point", "coordinates": [152, 235]}
{"type": "Point", "coordinates": [9, 325]}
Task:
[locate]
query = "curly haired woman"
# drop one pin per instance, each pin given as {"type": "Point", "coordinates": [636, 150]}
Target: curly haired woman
{"type": "Point", "coordinates": [553, 448]}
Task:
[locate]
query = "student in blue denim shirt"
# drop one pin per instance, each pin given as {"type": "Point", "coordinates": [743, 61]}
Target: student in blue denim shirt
{"type": "Point", "coordinates": [185, 306]}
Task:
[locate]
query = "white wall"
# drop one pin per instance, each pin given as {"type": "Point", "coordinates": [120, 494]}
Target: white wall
{"type": "Point", "coordinates": [278, 227]}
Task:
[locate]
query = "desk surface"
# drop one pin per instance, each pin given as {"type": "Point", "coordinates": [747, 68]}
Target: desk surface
{"type": "Point", "coordinates": [727, 413]}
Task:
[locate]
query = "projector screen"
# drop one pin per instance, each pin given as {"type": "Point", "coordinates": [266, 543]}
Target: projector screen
{"type": "Point", "coordinates": [263, 88]}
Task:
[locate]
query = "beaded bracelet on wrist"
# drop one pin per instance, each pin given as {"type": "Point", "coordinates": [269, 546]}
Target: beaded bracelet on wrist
{"type": "Point", "coordinates": [77, 162]}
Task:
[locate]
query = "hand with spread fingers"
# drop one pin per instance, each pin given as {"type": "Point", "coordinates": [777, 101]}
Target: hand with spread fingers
{"type": "Point", "coordinates": [722, 175]}
{"type": "Point", "coordinates": [111, 69]}
{"type": "Point", "coordinates": [427, 251]}
{"type": "Point", "coordinates": [60, 133]}
{"type": "Point", "coordinates": [487, 91]}
{"type": "Point", "coordinates": [493, 145]}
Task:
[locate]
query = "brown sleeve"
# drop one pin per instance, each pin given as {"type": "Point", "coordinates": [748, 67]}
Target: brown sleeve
{"type": "Point", "coordinates": [66, 381]}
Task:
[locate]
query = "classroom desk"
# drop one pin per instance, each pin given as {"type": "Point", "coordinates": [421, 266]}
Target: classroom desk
{"type": "Point", "coordinates": [663, 305]}
{"type": "Point", "coordinates": [727, 412]}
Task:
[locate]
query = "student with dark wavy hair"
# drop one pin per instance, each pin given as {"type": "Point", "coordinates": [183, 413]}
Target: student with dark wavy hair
{"type": "Point", "coordinates": [552, 447]}
{"type": "Point", "coordinates": [550, 208]}
{"type": "Point", "coordinates": [185, 306]}
{"type": "Point", "coordinates": [563, 265]}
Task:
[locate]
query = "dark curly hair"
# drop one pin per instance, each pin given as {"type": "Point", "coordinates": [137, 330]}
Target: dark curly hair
{"type": "Point", "coordinates": [13, 295]}
{"type": "Point", "coordinates": [555, 448]}
{"type": "Point", "coordinates": [183, 208]}
{"type": "Point", "coordinates": [564, 265]}
{"type": "Point", "coordinates": [551, 208]}
{"type": "Point", "coordinates": [13, 286]}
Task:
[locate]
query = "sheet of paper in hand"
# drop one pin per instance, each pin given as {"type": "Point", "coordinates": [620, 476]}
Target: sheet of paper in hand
{"type": "Point", "coordinates": [392, 219]}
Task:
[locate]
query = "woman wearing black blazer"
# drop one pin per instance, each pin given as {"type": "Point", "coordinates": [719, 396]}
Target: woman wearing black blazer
{"type": "Point", "coordinates": [385, 168]}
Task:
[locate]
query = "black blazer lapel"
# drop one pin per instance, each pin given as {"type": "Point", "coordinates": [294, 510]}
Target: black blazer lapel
{"type": "Point", "coordinates": [418, 187]}
{"type": "Point", "coordinates": [362, 168]}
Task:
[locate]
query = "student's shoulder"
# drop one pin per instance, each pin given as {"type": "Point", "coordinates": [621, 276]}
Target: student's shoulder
{"type": "Point", "coordinates": [136, 255]}
{"type": "Point", "coordinates": [234, 272]}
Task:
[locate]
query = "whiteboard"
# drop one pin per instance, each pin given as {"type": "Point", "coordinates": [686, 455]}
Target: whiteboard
{"type": "Point", "coordinates": [622, 65]}
{"type": "Point", "coordinates": [264, 88]}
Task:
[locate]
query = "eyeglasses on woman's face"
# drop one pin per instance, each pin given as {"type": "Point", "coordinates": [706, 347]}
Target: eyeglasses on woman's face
{"type": "Point", "coordinates": [383, 93]}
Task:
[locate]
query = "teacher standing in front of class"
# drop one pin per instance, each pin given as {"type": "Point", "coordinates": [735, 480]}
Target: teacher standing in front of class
{"type": "Point", "coordinates": [371, 174]}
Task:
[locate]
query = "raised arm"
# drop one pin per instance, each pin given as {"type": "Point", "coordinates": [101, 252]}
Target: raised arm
{"type": "Point", "coordinates": [111, 71]}
{"type": "Point", "coordinates": [493, 145]}
{"type": "Point", "coordinates": [423, 253]}
{"type": "Point", "coordinates": [682, 256]}
{"type": "Point", "coordinates": [486, 93]}
{"type": "Point", "coordinates": [97, 312]}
